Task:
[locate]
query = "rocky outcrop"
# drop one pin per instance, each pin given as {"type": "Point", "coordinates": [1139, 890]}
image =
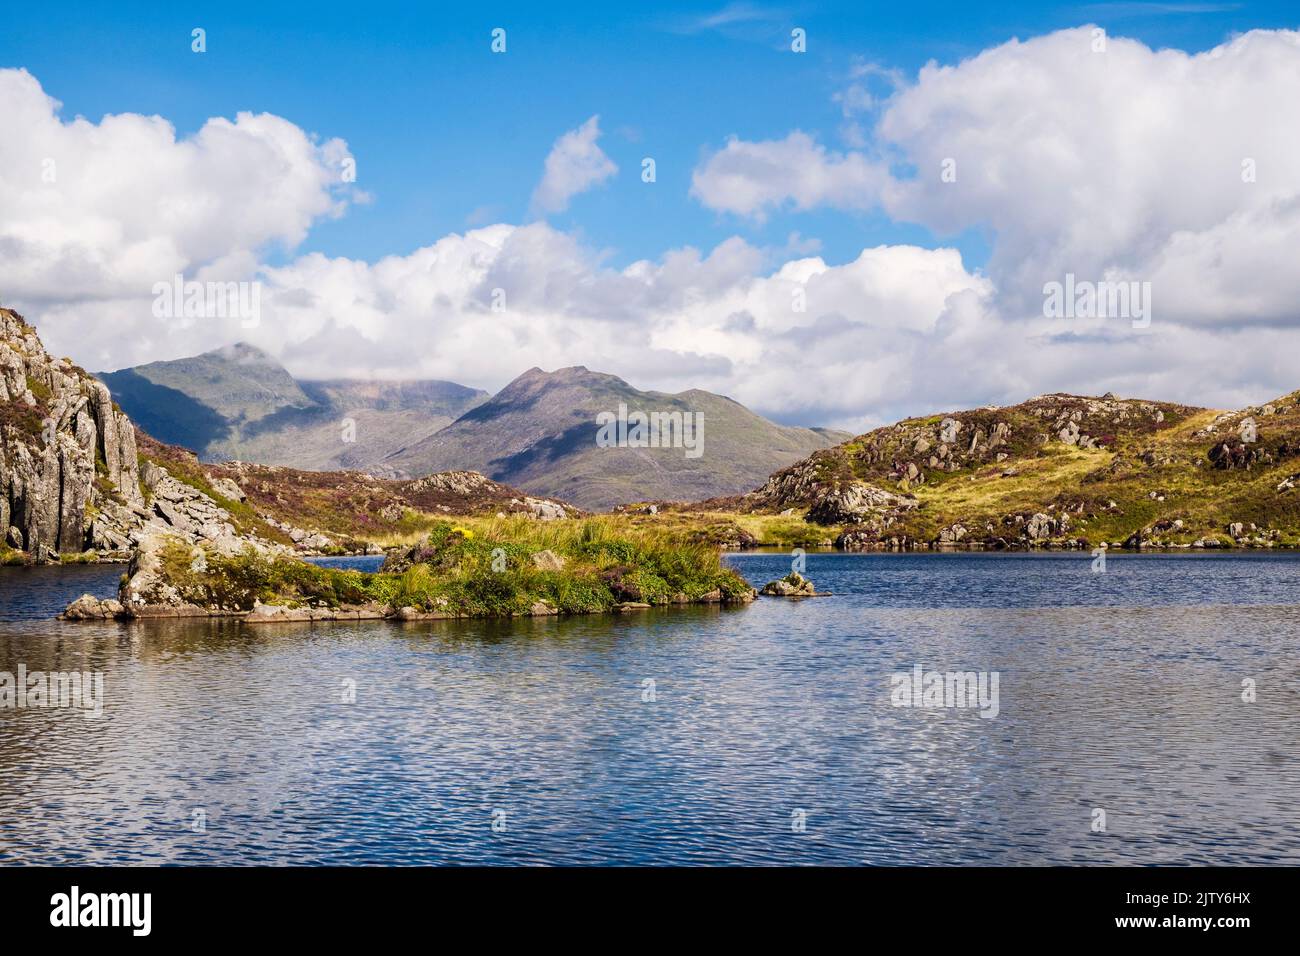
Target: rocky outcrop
{"type": "Point", "coordinates": [147, 585]}
{"type": "Point", "coordinates": [858, 503]}
{"type": "Point", "coordinates": [870, 541]}
{"type": "Point", "coordinates": [830, 499]}
{"type": "Point", "coordinates": [466, 492]}
{"type": "Point", "coordinates": [1245, 445]}
{"type": "Point", "coordinates": [90, 608]}
{"type": "Point", "coordinates": [66, 452]}
{"type": "Point", "coordinates": [548, 560]}
{"type": "Point", "coordinates": [171, 507]}
{"type": "Point", "coordinates": [1237, 454]}
{"type": "Point", "coordinates": [541, 508]}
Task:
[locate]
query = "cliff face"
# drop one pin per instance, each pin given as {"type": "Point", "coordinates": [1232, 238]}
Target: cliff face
{"type": "Point", "coordinates": [66, 453]}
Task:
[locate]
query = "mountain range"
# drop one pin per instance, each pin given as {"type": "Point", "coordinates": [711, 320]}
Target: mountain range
{"type": "Point", "coordinates": [79, 481]}
{"type": "Point", "coordinates": [240, 403]}
{"type": "Point", "coordinates": [539, 433]}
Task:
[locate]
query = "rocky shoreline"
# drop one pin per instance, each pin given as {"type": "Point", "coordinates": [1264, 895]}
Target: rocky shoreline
{"type": "Point", "coordinates": [89, 608]}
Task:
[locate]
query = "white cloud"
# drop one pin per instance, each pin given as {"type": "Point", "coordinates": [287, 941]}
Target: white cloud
{"type": "Point", "coordinates": [99, 209]}
{"type": "Point", "coordinates": [574, 165]}
{"type": "Point", "coordinates": [688, 319]}
{"type": "Point", "coordinates": [736, 21]}
{"type": "Point", "coordinates": [99, 212]}
{"type": "Point", "coordinates": [751, 179]}
{"type": "Point", "coordinates": [1127, 162]}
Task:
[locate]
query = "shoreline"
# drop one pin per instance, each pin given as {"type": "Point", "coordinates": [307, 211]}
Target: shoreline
{"type": "Point", "coordinates": [89, 608]}
{"type": "Point", "coordinates": [882, 548]}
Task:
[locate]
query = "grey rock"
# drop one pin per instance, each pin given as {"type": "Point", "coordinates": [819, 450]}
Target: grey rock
{"type": "Point", "coordinates": [229, 489]}
{"type": "Point", "coordinates": [793, 584]}
{"type": "Point", "coordinates": [857, 502]}
{"type": "Point", "coordinates": [48, 479]}
{"type": "Point", "coordinates": [548, 561]}
{"type": "Point", "coordinates": [90, 608]}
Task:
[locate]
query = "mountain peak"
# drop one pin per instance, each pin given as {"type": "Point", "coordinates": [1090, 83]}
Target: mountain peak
{"type": "Point", "coordinates": [568, 372]}
{"type": "Point", "coordinates": [244, 353]}
{"type": "Point", "coordinates": [239, 401]}
{"type": "Point", "coordinates": [536, 380]}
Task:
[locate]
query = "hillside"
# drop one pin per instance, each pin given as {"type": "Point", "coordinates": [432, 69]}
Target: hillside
{"type": "Point", "coordinates": [348, 510]}
{"type": "Point", "coordinates": [1055, 471]}
{"type": "Point", "coordinates": [238, 402]}
{"type": "Point", "coordinates": [540, 433]}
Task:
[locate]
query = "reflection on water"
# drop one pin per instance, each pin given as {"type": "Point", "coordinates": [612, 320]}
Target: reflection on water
{"type": "Point", "coordinates": [1119, 691]}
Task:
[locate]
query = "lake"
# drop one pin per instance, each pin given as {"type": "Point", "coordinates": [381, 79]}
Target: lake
{"type": "Point", "coordinates": [766, 734]}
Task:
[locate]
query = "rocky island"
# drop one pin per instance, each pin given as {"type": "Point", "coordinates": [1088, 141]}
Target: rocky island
{"type": "Point", "coordinates": [511, 567]}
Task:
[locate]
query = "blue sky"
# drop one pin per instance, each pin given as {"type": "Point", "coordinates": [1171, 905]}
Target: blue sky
{"type": "Point", "coordinates": [448, 135]}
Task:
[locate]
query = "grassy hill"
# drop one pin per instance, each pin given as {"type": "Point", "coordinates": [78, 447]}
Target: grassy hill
{"type": "Point", "coordinates": [1055, 471]}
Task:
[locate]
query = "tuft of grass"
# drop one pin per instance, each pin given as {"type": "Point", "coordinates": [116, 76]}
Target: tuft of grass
{"type": "Point", "coordinates": [40, 390]}
{"type": "Point", "coordinates": [85, 557]}
{"type": "Point", "coordinates": [11, 558]}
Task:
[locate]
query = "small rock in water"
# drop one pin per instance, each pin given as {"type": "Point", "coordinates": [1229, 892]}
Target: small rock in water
{"type": "Point", "coordinates": [793, 584]}
{"type": "Point", "coordinates": [90, 608]}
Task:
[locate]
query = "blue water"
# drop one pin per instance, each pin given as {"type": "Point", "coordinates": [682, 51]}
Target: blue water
{"type": "Point", "coordinates": [1118, 691]}
{"type": "Point", "coordinates": [351, 562]}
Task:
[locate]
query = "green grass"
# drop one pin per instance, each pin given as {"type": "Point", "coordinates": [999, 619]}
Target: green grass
{"type": "Point", "coordinates": [723, 528]}
{"type": "Point", "coordinates": [483, 571]}
{"type": "Point", "coordinates": [40, 390]}
{"type": "Point", "coordinates": [85, 557]}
